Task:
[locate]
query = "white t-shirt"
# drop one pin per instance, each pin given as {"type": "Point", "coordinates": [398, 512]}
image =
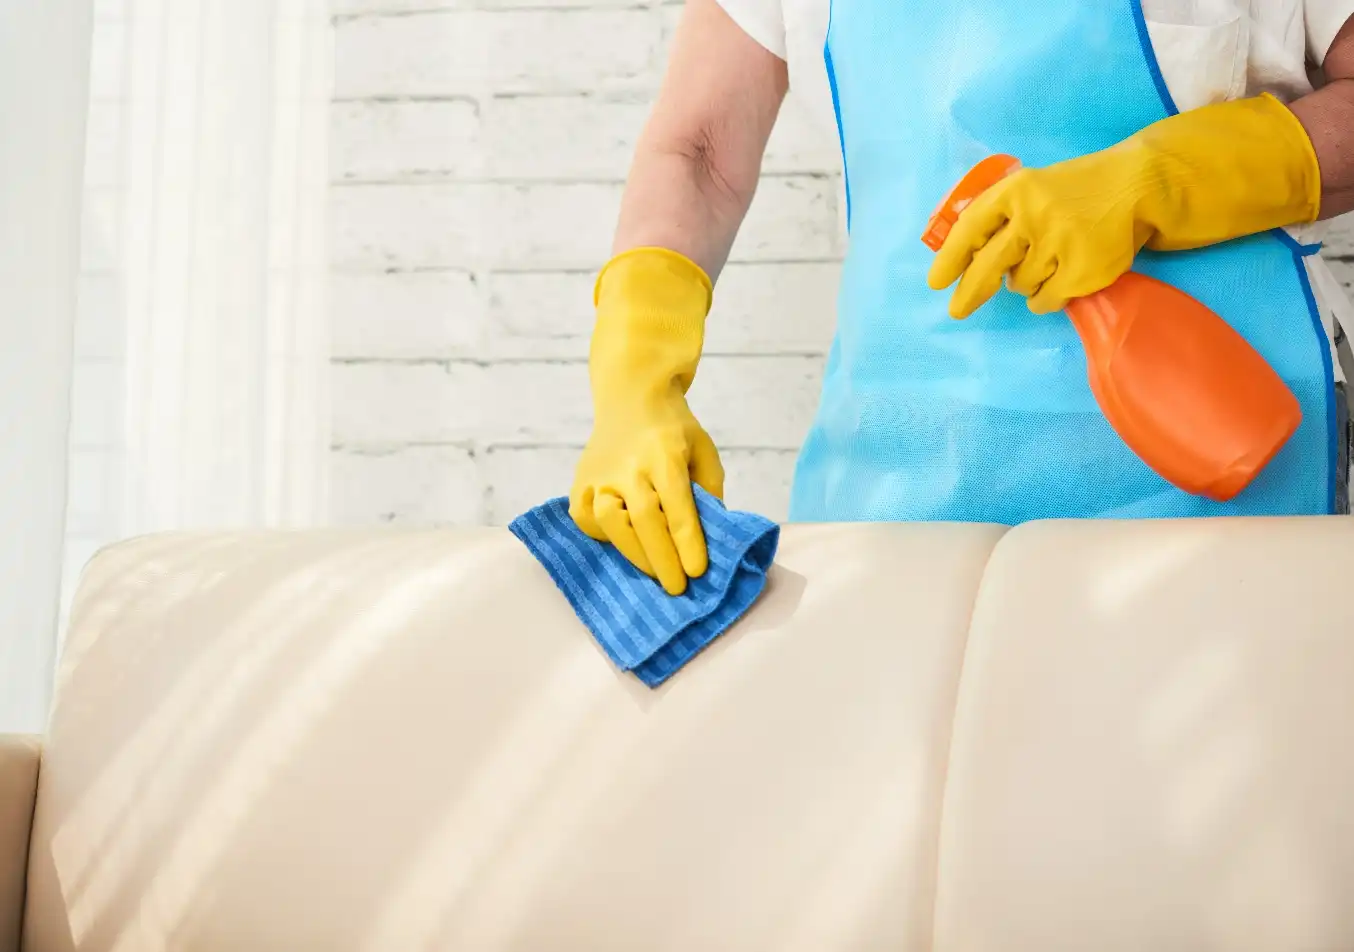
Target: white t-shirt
{"type": "Point", "coordinates": [1208, 51]}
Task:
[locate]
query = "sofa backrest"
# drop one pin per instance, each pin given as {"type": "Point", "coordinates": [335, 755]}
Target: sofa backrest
{"type": "Point", "coordinates": [1069, 736]}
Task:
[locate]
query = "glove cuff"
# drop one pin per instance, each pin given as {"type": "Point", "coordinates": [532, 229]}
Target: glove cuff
{"type": "Point", "coordinates": [650, 330]}
{"type": "Point", "coordinates": [1304, 164]}
{"type": "Point", "coordinates": [1237, 168]}
{"type": "Point", "coordinates": [657, 279]}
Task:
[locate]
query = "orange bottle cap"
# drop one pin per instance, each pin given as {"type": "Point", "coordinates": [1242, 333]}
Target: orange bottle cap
{"type": "Point", "coordinates": [979, 179]}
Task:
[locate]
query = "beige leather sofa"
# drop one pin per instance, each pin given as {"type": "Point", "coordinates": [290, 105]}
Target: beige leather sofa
{"type": "Point", "coordinates": [1083, 737]}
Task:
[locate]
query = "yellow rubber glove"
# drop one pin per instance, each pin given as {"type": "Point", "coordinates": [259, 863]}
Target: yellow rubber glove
{"type": "Point", "coordinates": [633, 484]}
{"type": "Point", "coordinates": [1071, 229]}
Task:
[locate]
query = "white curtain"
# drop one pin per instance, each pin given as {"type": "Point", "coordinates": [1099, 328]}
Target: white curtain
{"type": "Point", "coordinates": [200, 353]}
{"type": "Point", "coordinates": [44, 68]}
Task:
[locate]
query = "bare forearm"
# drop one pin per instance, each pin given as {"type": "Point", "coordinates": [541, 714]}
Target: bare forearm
{"type": "Point", "coordinates": [1328, 117]}
{"type": "Point", "coordinates": [697, 164]}
{"type": "Point", "coordinates": [675, 200]}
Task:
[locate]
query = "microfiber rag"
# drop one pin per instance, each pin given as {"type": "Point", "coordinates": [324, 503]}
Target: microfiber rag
{"type": "Point", "coordinates": [641, 627]}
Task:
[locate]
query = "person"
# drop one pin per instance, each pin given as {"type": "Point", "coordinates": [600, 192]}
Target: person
{"type": "Point", "coordinates": [1201, 141]}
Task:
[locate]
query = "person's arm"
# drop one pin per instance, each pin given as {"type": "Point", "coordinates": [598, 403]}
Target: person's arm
{"type": "Point", "coordinates": [697, 162]}
{"type": "Point", "coordinates": [693, 178]}
{"type": "Point", "coordinates": [1328, 117]}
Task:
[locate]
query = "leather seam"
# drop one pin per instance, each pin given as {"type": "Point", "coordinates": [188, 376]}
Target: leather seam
{"type": "Point", "coordinates": [954, 723]}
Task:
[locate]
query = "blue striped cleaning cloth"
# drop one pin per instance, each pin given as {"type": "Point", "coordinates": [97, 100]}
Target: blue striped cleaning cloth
{"type": "Point", "coordinates": [641, 627]}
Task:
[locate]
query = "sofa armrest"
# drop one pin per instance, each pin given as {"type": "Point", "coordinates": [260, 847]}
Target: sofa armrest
{"type": "Point", "coordinates": [18, 792]}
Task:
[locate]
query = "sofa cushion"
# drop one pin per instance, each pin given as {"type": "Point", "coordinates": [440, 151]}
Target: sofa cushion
{"type": "Point", "coordinates": [406, 741]}
{"type": "Point", "coordinates": [1154, 742]}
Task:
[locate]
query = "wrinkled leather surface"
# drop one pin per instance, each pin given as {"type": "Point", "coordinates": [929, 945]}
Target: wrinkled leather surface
{"type": "Point", "coordinates": [406, 741]}
{"type": "Point", "coordinates": [1072, 736]}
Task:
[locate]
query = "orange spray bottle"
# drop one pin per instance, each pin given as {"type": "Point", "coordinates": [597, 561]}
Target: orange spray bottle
{"type": "Point", "coordinates": [1185, 392]}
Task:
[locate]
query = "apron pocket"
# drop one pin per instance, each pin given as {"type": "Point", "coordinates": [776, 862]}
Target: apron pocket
{"type": "Point", "coordinates": [1201, 50]}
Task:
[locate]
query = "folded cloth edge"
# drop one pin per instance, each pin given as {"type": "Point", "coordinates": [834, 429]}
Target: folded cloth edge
{"type": "Point", "coordinates": [639, 626]}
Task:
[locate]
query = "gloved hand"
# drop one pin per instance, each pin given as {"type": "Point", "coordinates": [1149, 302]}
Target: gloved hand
{"type": "Point", "coordinates": [1071, 229]}
{"type": "Point", "coordinates": [633, 484]}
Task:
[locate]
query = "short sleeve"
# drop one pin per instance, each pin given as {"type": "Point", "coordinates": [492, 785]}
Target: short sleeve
{"type": "Point", "coordinates": [1324, 19]}
{"type": "Point", "coordinates": [764, 21]}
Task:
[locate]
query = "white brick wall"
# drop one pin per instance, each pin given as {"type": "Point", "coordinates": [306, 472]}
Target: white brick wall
{"type": "Point", "coordinates": [478, 154]}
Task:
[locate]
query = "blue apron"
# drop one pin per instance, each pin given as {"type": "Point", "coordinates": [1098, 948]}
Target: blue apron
{"type": "Point", "coordinates": [991, 419]}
